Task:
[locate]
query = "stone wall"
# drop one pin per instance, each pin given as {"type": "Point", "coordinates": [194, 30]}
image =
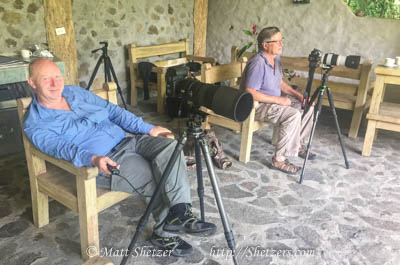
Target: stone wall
{"type": "Point", "coordinates": [120, 22]}
{"type": "Point", "coordinates": [21, 25]}
{"type": "Point", "coordinates": [328, 25]}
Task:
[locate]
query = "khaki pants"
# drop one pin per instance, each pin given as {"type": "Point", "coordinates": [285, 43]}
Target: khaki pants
{"type": "Point", "coordinates": [293, 131]}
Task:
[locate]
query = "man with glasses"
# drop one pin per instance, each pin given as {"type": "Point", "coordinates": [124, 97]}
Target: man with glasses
{"type": "Point", "coordinates": [279, 104]}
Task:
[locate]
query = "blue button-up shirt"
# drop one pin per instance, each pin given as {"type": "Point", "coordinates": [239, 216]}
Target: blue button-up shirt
{"type": "Point", "coordinates": [93, 127]}
{"type": "Point", "coordinates": [260, 75]}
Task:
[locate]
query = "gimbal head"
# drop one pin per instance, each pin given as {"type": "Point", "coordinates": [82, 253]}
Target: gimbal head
{"type": "Point", "coordinates": [104, 48]}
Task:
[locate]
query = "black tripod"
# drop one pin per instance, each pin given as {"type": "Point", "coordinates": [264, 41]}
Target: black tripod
{"type": "Point", "coordinates": [108, 69]}
{"type": "Point", "coordinates": [194, 130]}
{"type": "Point", "coordinates": [320, 93]}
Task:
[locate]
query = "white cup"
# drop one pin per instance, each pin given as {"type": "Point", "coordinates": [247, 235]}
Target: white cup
{"type": "Point", "coordinates": [389, 62]}
{"type": "Point", "coordinates": [398, 60]}
{"type": "Point", "coordinates": [26, 53]}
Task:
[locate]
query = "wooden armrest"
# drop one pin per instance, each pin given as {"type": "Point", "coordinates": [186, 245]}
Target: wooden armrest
{"type": "Point", "coordinates": [80, 172]}
{"type": "Point", "coordinates": [171, 62]}
{"type": "Point", "coordinates": [208, 111]}
{"type": "Point", "coordinates": [201, 59]}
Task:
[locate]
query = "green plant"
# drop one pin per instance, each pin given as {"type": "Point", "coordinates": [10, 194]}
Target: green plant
{"type": "Point", "coordinates": [375, 8]}
{"type": "Point", "coordinates": [253, 33]}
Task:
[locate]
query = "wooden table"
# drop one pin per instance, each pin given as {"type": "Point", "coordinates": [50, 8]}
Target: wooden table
{"type": "Point", "coordinates": [382, 115]}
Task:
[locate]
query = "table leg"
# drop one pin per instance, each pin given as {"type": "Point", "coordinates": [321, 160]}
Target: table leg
{"type": "Point", "coordinates": [369, 138]}
{"type": "Point", "coordinates": [161, 91]}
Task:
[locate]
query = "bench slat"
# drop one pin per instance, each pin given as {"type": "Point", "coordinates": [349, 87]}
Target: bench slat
{"type": "Point", "coordinates": [343, 88]}
{"type": "Point", "coordinates": [60, 184]}
{"type": "Point", "coordinates": [156, 50]}
{"type": "Point", "coordinates": [213, 75]}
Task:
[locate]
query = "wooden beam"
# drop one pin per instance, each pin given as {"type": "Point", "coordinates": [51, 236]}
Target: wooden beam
{"type": "Point", "coordinates": [200, 27]}
{"type": "Point", "coordinates": [58, 14]}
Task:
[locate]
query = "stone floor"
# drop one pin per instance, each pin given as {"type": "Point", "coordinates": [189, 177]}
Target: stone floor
{"type": "Point", "coordinates": [337, 216]}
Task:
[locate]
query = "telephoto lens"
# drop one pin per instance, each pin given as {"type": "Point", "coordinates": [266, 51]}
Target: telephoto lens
{"type": "Point", "coordinates": [351, 61]}
{"type": "Point", "coordinates": [226, 101]}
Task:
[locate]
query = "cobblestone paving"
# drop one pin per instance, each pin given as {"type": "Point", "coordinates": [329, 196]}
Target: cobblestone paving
{"type": "Point", "coordinates": [337, 216]}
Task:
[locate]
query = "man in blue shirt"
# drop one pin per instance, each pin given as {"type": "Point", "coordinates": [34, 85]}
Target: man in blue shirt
{"type": "Point", "coordinates": [71, 123]}
{"type": "Point", "coordinates": [262, 77]}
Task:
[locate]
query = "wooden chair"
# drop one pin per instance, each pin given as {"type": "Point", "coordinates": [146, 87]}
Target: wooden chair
{"type": "Point", "coordinates": [350, 88]}
{"type": "Point", "coordinates": [54, 177]}
{"type": "Point", "coordinates": [232, 71]}
{"type": "Point", "coordinates": [136, 53]}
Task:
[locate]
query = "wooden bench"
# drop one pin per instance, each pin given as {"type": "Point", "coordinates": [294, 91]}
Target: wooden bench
{"type": "Point", "coordinates": [74, 187]}
{"type": "Point", "coordinates": [135, 53]}
{"type": "Point", "coordinates": [232, 71]}
{"type": "Point", "coordinates": [349, 92]}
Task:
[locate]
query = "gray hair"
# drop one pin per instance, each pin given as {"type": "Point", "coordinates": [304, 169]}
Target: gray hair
{"type": "Point", "coordinates": [265, 35]}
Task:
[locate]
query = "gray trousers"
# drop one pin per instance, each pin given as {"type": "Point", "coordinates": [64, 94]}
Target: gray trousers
{"type": "Point", "coordinates": [293, 131]}
{"type": "Point", "coordinates": [142, 161]}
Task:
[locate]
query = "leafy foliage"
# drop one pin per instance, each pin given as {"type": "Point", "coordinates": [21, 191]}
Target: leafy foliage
{"type": "Point", "coordinates": [252, 34]}
{"type": "Point", "coordinates": [376, 8]}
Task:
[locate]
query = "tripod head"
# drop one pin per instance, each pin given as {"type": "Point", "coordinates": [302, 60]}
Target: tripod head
{"type": "Point", "coordinates": [196, 118]}
{"type": "Point", "coordinates": [104, 48]}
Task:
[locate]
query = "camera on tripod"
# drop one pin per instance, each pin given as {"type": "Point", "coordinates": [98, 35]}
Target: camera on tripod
{"type": "Point", "coordinates": [185, 94]}
{"type": "Point", "coordinates": [326, 61]}
{"type": "Point", "coordinates": [223, 100]}
{"type": "Point", "coordinates": [332, 59]}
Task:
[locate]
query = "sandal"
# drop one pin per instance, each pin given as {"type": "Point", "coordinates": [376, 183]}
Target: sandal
{"type": "Point", "coordinates": [285, 166]}
{"type": "Point", "coordinates": [303, 152]}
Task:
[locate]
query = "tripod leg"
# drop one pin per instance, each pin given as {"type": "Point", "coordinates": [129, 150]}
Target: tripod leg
{"type": "Point", "coordinates": [332, 106]}
{"type": "Point", "coordinates": [308, 104]}
{"type": "Point", "coordinates": [111, 68]}
{"type": "Point", "coordinates": [228, 232]}
{"type": "Point", "coordinates": [200, 186]}
{"type": "Point", "coordinates": [96, 68]}
{"type": "Point", "coordinates": [316, 115]}
{"type": "Point", "coordinates": [107, 75]}
{"type": "Point", "coordinates": [144, 219]}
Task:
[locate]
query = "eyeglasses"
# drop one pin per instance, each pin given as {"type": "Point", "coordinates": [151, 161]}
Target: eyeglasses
{"type": "Point", "coordinates": [275, 41]}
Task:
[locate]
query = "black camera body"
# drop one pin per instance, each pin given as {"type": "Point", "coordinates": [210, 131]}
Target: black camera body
{"type": "Point", "coordinates": [315, 56]}
{"type": "Point", "coordinates": [177, 106]}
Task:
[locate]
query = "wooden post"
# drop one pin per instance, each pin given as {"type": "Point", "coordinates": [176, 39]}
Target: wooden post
{"type": "Point", "coordinates": [58, 15]}
{"type": "Point", "coordinates": [200, 27]}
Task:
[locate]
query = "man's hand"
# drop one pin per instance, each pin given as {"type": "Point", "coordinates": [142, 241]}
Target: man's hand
{"type": "Point", "coordinates": [101, 163]}
{"type": "Point", "coordinates": [159, 131]}
{"type": "Point", "coordinates": [284, 101]}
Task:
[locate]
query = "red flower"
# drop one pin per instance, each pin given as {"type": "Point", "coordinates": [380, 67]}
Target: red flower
{"type": "Point", "coordinates": [254, 29]}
